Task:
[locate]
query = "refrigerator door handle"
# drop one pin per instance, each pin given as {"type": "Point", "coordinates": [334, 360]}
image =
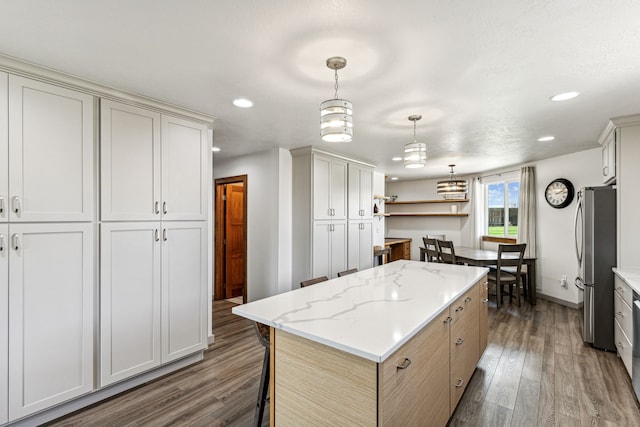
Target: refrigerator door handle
{"type": "Point", "coordinates": [575, 231]}
{"type": "Point", "coordinates": [579, 283]}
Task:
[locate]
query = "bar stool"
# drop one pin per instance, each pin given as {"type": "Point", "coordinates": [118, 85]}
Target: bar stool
{"type": "Point", "coordinates": [382, 254]}
{"type": "Point", "coordinates": [263, 333]}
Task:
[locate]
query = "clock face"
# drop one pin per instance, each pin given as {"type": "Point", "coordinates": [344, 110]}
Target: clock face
{"type": "Point", "coordinates": [559, 193]}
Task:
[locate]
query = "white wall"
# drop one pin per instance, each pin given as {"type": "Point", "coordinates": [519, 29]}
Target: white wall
{"type": "Point", "coordinates": [555, 235]}
{"type": "Point", "coordinates": [268, 220]}
{"type": "Point", "coordinates": [379, 222]}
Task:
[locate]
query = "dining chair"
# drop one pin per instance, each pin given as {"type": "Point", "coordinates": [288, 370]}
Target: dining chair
{"type": "Point", "coordinates": [350, 271]}
{"type": "Point", "coordinates": [446, 251]}
{"type": "Point", "coordinates": [263, 332]}
{"type": "Point", "coordinates": [313, 281]}
{"type": "Point", "coordinates": [431, 248]}
{"type": "Point", "coordinates": [508, 271]}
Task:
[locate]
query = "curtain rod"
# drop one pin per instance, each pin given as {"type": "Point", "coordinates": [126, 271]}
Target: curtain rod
{"type": "Point", "coordinates": [498, 174]}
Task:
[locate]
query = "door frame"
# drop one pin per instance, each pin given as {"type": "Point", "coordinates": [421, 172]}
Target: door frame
{"type": "Point", "coordinates": [218, 291]}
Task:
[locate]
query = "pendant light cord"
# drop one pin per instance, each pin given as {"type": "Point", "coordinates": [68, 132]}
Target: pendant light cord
{"type": "Point", "coordinates": [336, 86]}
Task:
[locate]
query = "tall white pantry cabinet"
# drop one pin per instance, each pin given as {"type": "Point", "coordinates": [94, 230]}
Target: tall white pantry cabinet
{"type": "Point", "coordinates": [65, 333]}
{"type": "Point", "coordinates": [332, 221]}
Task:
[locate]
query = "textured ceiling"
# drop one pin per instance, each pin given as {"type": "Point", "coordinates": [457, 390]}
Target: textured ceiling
{"type": "Point", "coordinates": [479, 72]}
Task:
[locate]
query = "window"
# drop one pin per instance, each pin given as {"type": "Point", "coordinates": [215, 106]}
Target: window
{"type": "Point", "coordinates": [502, 208]}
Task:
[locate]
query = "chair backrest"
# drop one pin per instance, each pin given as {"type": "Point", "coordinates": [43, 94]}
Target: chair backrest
{"type": "Point", "coordinates": [437, 236]}
{"type": "Point", "coordinates": [313, 281]}
{"type": "Point", "coordinates": [511, 260]}
{"type": "Point", "coordinates": [431, 247]}
{"type": "Point", "coordinates": [446, 251]}
{"type": "Point", "coordinates": [344, 273]}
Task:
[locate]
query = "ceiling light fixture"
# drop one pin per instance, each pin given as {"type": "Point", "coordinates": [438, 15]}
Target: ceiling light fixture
{"type": "Point", "coordinates": [546, 138]}
{"type": "Point", "coordinates": [215, 149]}
{"type": "Point", "coordinates": [336, 124]}
{"type": "Point", "coordinates": [415, 153]}
{"type": "Point", "coordinates": [243, 103]}
{"type": "Point", "coordinates": [453, 188]}
{"type": "Point", "coordinates": [396, 159]}
{"type": "Point", "coordinates": [564, 96]}
{"type": "Point", "coordinates": [394, 178]}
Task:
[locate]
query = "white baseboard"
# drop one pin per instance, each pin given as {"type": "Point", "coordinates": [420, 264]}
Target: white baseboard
{"type": "Point", "coordinates": [560, 301]}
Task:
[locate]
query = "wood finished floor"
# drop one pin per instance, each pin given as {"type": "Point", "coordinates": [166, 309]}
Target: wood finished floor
{"type": "Point", "coordinates": [535, 372]}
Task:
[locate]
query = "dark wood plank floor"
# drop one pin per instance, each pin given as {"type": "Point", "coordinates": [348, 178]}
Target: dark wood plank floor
{"type": "Point", "coordinates": [535, 372]}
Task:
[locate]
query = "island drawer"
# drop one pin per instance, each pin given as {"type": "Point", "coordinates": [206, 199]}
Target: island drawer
{"type": "Point", "coordinates": [624, 346]}
{"type": "Point", "coordinates": [624, 291]}
{"type": "Point", "coordinates": [623, 314]}
{"type": "Point", "coordinates": [465, 306]}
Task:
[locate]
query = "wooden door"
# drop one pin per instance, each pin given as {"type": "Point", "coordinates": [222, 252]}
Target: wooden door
{"type": "Point", "coordinates": [130, 163]}
{"type": "Point", "coordinates": [230, 237]}
{"type": "Point", "coordinates": [51, 315]}
{"type": "Point", "coordinates": [50, 152]}
{"type": "Point", "coordinates": [234, 235]}
{"type": "Point", "coordinates": [4, 322]}
{"type": "Point", "coordinates": [4, 150]}
{"type": "Point", "coordinates": [129, 299]}
{"type": "Point", "coordinates": [184, 169]}
{"type": "Point", "coordinates": [184, 292]}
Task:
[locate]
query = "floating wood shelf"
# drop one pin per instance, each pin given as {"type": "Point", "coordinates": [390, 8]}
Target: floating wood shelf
{"type": "Point", "coordinates": [461, 214]}
{"type": "Point", "coordinates": [381, 214]}
{"type": "Point", "coordinates": [378, 197]}
{"type": "Point", "coordinates": [415, 202]}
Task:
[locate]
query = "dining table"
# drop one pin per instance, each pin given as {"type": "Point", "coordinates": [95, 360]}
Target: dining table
{"type": "Point", "coordinates": [487, 257]}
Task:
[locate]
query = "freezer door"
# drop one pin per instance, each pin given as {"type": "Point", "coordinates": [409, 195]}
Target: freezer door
{"type": "Point", "coordinates": [587, 328]}
{"type": "Point", "coordinates": [579, 234]}
{"type": "Point", "coordinates": [588, 234]}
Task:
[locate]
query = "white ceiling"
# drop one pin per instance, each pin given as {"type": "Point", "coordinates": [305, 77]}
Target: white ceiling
{"type": "Point", "coordinates": [479, 72]}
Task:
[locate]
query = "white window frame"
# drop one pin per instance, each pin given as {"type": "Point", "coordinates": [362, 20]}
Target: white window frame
{"type": "Point", "coordinates": [505, 179]}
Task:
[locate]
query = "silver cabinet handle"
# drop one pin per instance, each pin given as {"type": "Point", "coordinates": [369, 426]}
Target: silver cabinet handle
{"type": "Point", "coordinates": [405, 363]}
{"type": "Point", "coordinates": [620, 345]}
{"type": "Point", "coordinates": [15, 242]}
{"type": "Point", "coordinates": [459, 309]}
{"type": "Point", "coordinates": [468, 299]}
{"type": "Point", "coordinates": [460, 382]}
{"type": "Point", "coordinates": [459, 341]}
{"type": "Point", "coordinates": [16, 204]}
{"type": "Point", "coordinates": [1, 242]}
{"type": "Point", "coordinates": [164, 234]}
{"type": "Point", "coordinates": [485, 300]}
{"type": "Point", "coordinates": [164, 208]}
{"type": "Point", "coordinates": [605, 170]}
{"type": "Point", "coordinates": [1, 204]}
{"type": "Point", "coordinates": [157, 207]}
{"type": "Point", "coordinates": [447, 320]}
{"type": "Point", "coordinates": [621, 314]}
{"type": "Point", "coordinates": [157, 235]}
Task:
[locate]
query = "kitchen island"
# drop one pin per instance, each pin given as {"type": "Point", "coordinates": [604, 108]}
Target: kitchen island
{"type": "Point", "coordinates": [391, 345]}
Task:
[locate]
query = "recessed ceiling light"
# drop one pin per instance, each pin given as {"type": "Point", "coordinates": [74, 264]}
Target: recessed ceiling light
{"type": "Point", "coordinates": [215, 149]}
{"type": "Point", "coordinates": [564, 96]}
{"type": "Point", "coordinates": [396, 159]}
{"type": "Point", "coordinates": [243, 103]}
{"type": "Point", "coordinates": [546, 138]}
{"type": "Point", "coordinates": [394, 178]}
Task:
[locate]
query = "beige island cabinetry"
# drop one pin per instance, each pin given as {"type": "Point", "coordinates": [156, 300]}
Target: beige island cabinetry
{"type": "Point", "coordinates": [392, 345]}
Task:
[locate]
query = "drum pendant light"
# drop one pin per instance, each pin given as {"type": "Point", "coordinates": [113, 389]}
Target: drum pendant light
{"type": "Point", "coordinates": [415, 153]}
{"type": "Point", "coordinates": [336, 124]}
{"type": "Point", "coordinates": [453, 188]}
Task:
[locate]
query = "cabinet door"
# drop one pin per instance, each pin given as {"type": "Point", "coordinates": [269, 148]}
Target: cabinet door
{"type": "Point", "coordinates": [338, 189]}
{"type": "Point", "coordinates": [360, 245]}
{"type": "Point", "coordinates": [609, 158]}
{"type": "Point", "coordinates": [360, 197]}
{"type": "Point", "coordinates": [130, 162]}
{"type": "Point", "coordinates": [366, 193]}
{"type": "Point", "coordinates": [184, 288]}
{"type": "Point", "coordinates": [50, 152]}
{"type": "Point", "coordinates": [184, 169]}
{"type": "Point", "coordinates": [50, 315]}
{"type": "Point", "coordinates": [321, 262]}
{"type": "Point", "coordinates": [484, 315]}
{"type": "Point", "coordinates": [4, 149]}
{"type": "Point", "coordinates": [338, 239]}
{"type": "Point", "coordinates": [4, 323]}
{"type": "Point", "coordinates": [129, 299]}
{"type": "Point", "coordinates": [321, 187]}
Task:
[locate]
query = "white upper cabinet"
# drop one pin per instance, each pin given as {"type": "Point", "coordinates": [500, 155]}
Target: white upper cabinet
{"type": "Point", "coordinates": [152, 166]}
{"type": "Point", "coordinates": [184, 169]}
{"type": "Point", "coordinates": [184, 285]}
{"type": "Point", "coordinates": [609, 157]}
{"type": "Point", "coordinates": [4, 323]}
{"type": "Point", "coordinates": [50, 153]}
{"type": "Point", "coordinates": [130, 162]}
{"type": "Point", "coordinates": [329, 188]}
{"type": "Point", "coordinates": [360, 192]}
{"type": "Point", "coordinates": [4, 148]}
{"type": "Point", "coordinates": [51, 319]}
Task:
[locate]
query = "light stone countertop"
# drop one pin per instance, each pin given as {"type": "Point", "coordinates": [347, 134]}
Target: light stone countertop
{"type": "Point", "coordinates": [631, 277]}
{"type": "Point", "coordinates": [370, 313]}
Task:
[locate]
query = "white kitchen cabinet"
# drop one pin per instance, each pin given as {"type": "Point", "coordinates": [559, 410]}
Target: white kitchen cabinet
{"type": "Point", "coordinates": [51, 319]}
{"type": "Point", "coordinates": [360, 194]}
{"type": "Point", "coordinates": [609, 157]}
{"type": "Point", "coordinates": [360, 244]}
{"type": "Point", "coordinates": [4, 323]}
{"type": "Point", "coordinates": [329, 248]}
{"type": "Point", "coordinates": [152, 295]}
{"type": "Point", "coordinates": [329, 188]}
{"type": "Point", "coordinates": [51, 140]}
{"type": "Point", "coordinates": [184, 289]}
{"type": "Point", "coordinates": [152, 166]}
{"type": "Point", "coordinates": [4, 147]}
{"type": "Point", "coordinates": [129, 299]}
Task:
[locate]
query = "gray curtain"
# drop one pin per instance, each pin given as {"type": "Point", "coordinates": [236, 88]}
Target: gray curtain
{"type": "Point", "coordinates": [527, 210]}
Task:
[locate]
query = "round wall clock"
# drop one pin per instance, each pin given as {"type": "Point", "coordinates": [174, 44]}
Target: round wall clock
{"type": "Point", "coordinates": [559, 193]}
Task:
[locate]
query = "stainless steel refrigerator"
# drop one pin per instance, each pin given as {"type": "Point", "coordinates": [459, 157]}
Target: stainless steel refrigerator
{"type": "Point", "coordinates": [595, 235]}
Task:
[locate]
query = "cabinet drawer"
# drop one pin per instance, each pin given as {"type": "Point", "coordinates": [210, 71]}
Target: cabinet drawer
{"type": "Point", "coordinates": [624, 346]}
{"type": "Point", "coordinates": [623, 314]}
{"type": "Point", "coordinates": [466, 306]}
{"type": "Point", "coordinates": [624, 290]}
